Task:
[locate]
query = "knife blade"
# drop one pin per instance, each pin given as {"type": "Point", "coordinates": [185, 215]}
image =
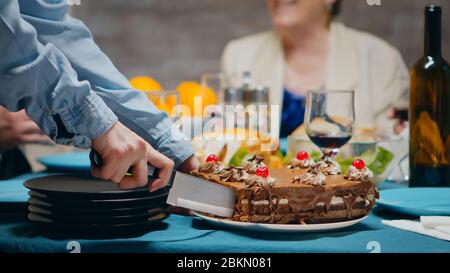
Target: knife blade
{"type": "Point", "coordinates": [191, 192]}
{"type": "Point", "coordinates": [194, 193]}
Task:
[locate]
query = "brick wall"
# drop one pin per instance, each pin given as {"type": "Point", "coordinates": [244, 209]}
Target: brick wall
{"type": "Point", "coordinates": [176, 40]}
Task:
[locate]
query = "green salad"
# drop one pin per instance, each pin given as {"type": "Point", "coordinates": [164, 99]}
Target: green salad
{"type": "Point", "coordinates": [240, 156]}
{"type": "Point", "coordinates": [378, 159]}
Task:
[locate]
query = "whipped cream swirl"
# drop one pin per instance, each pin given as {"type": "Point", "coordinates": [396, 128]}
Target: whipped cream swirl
{"type": "Point", "coordinates": [234, 174]}
{"type": "Point", "coordinates": [311, 178]}
{"type": "Point", "coordinates": [353, 174]}
{"type": "Point", "coordinates": [302, 164]}
{"type": "Point", "coordinates": [211, 168]}
{"type": "Point", "coordinates": [264, 182]}
{"type": "Point", "coordinates": [253, 163]}
{"type": "Point", "coordinates": [327, 166]}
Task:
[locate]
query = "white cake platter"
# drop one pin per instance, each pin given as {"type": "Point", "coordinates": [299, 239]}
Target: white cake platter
{"type": "Point", "coordinates": [277, 228]}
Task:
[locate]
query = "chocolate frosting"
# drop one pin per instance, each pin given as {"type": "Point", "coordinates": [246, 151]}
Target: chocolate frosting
{"type": "Point", "coordinates": [302, 203]}
{"type": "Point", "coordinates": [294, 203]}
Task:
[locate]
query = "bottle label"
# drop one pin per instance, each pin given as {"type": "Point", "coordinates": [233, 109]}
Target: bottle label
{"type": "Point", "coordinates": [429, 147]}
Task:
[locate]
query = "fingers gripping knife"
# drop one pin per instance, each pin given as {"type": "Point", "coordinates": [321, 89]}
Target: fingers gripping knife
{"type": "Point", "coordinates": [190, 192]}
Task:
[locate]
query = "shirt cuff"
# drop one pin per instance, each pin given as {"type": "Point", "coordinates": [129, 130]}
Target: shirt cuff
{"type": "Point", "coordinates": [174, 144]}
{"type": "Point", "coordinates": [83, 122]}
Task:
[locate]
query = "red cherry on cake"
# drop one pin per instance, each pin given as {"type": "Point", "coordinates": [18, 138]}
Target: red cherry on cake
{"type": "Point", "coordinates": [302, 155]}
{"type": "Point", "coordinates": [359, 164]}
{"type": "Point", "coordinates": [213, 158]}
{"type": "Point", "coordinates": [262, 171]}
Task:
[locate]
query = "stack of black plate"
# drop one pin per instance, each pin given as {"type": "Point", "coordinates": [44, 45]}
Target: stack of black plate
{"type": "Point", "coordinates": [84, 203]}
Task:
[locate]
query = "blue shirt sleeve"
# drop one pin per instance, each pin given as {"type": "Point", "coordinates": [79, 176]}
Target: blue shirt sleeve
{"type": "Point", "coordinates": [132, 107]}
{"type": "Point", "coordinates": [39, 78]}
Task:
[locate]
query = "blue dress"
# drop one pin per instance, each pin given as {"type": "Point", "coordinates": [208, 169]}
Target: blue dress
{"type": "Point", "coordinates": [292, 112]}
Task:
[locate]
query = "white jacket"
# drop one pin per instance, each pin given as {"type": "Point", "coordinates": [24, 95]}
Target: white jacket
{"type": "Point", "coordinates": [358, 61]}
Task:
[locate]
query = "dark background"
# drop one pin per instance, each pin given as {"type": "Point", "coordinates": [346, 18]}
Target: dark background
{"type": "Point", "coordinates": [177, 40]}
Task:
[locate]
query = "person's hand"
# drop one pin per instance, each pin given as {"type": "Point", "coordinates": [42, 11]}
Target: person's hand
{"type": "Point", "coordinates": [188, 165]}
{"type": "Point", "coordinates": [400, 125]}
{"type": "Point", "coordinates": [121, 148]}
{"type": "Point", "coordinates": [17, 128]}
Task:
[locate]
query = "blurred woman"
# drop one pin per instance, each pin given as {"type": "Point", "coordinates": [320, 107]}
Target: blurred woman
{"type": "Point", "coordinates": [308, 49]}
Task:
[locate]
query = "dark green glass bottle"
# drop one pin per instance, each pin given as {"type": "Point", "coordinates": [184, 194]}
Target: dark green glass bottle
{"type": "Point", "coordinates": [429, 112]}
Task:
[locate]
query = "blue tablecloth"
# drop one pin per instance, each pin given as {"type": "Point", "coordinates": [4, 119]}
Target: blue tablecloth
{"type": "Point", "coordinates": [190, 234]}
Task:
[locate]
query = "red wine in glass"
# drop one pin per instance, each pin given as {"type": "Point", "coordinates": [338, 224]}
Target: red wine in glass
{"type": "Point", "coordinates": [329, 119]}
{"type": "Point", "coordinates": [329, 141]}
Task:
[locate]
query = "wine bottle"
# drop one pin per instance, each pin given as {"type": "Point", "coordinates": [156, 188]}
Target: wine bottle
{"type": "Point", "coordinates": [429, 110]}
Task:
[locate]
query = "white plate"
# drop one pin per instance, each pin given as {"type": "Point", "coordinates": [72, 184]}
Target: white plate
{"type": "Point", "coordinates": [225, 223]}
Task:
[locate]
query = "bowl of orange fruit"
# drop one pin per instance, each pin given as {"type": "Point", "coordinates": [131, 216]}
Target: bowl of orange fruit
{"type": "Point", "coordinates": [191, 96]}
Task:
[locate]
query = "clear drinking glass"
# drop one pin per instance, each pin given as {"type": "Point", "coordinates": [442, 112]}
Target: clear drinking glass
{"type": "Point", "coordinates": [215, 82]}
{"type": "Point", "coordinates": [167, 101]}
{"type": "Point", "coordinates": [329, 119]}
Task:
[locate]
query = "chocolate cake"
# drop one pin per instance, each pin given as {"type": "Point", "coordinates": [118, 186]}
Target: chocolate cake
{"type": "Point", "coordinates": [304, 192]}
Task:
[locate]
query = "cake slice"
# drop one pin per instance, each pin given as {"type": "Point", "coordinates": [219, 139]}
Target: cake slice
{"type": "Point", "coordinates": [295, 194]}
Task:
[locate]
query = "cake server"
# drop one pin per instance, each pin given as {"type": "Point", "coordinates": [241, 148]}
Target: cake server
{"type": "Point", "coordinates": [191, 192]}
{"type": "Point", "coordinates": [198, 194]}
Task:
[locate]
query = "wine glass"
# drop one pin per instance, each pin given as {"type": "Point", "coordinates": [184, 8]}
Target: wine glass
{"type": "Point", "coordinates": [329, 119]}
